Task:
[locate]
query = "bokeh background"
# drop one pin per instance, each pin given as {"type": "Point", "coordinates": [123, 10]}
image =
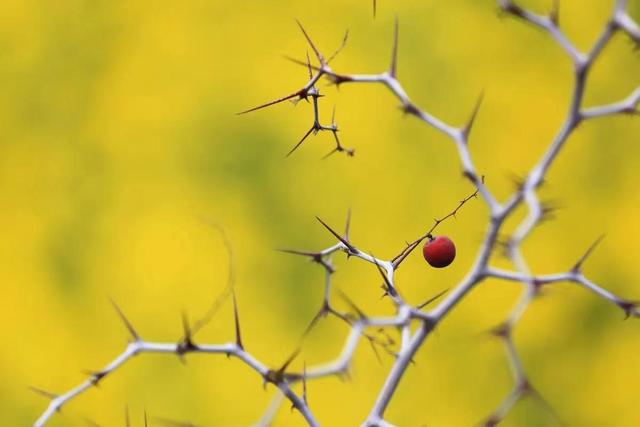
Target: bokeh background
{"type": "Point", "coordinates": [119, 144]}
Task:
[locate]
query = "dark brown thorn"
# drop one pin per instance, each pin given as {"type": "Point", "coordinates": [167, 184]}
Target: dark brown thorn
{"type": "Point", "coordinates": [330, 153]}
{"type": "Point", "coordinates": [146, 420]}
{"type": "Point", "coordinates": [90, 422]}
{"type": "Point", "coordinates": [467, 127]}
{"type": "Point", "coordinates": [309, 66]}
{"type": "Point", "coordinates": [375, 350]}
{"type": "Point", "coordinates": [186, 342]}
{"type": "Point", "coordinates": [319, 315]}
{"type": "Point", "coordinates": [304, 64]}
{"type": "Point", "coordinates": [527, 389]}
{"type": "Point", "coordinates": [315, 257]}
{"type": "Point", "coordinates": [236, 319]}
{"type": "Point", "coordinates": [508, 6]}
{"type": "Point", "coordinates": [301, 253]}
{"type": "Point", "coordinates": [375, 3]}
{"type": "Point", "coordinates": [503, 331]}
{"type": "Point", "coordinates": [127, 421]}
{"type": "Point", "coordinates": [388, 287]}
{"type": "Point", "coordinates": [301, 141]}
{"type": "Point", "coordinates": [286, 364]}
{"type": "Point", "coordinates": [339, 148]}
{"type": "Point", "coordinates": [347, 225]}
{"type": "Point", "coordinates": [42, 392]}
{"type": "Point", "coordinates": [339, 49]}
{"type": "Point", "coordinates": [554, 13]}
{"type": "Point", "coordinates": [432, 299]}
{"type": "Point", "coordinates": [126, 322]}
{"type": "Point", "coordinates": [301, 93]}
{"type": "Point", "coordinates": [630, 308]}
{"type": "Point", "coordinates": [409, 108]}
{"type": "Point", "coordinates": [351, 304]}
{"type": "Point", "coordinates": [492, 421]}
{"type": "Point", "coordinates": [548, 209]}
{"type": "Point", "coordinates": [345, 318]}
{"type": "Point", "coordinates": [578, 266]}
{"type": "Point", "coordinates": [393, 68]}
{"type": "Point", "coordinates": [315, 49]}
{"type": "Point", "coordinates": [185, 327]}
{"type": "Point", "coordinates": [96, 376]}
{"type": "Point", "coordinates": [304, 383]}
{"type": "Point", "coordinates": [351, 248]}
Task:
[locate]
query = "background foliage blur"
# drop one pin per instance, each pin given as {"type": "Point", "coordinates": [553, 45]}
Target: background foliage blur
{"type": "Point", "coordinates": [118, 143]}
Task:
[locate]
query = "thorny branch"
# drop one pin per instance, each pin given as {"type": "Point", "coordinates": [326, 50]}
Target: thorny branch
{"type": "Point", "coordinates": [374, 329]}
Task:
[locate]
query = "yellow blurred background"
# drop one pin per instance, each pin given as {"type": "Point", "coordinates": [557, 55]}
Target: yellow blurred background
{"type": "Point", "coordinates": [118, 143]}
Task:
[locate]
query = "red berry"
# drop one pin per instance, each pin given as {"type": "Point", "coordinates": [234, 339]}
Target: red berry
{"type": "Point", "coordinates": [439, 252]}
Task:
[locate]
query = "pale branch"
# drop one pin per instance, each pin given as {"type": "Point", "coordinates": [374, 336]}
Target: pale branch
{"type": "Point", "coordinates": [267, 418]}
{"type": "Point", "coordinates": [629, 106]}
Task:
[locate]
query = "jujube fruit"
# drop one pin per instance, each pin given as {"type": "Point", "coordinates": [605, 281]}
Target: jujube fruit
{"type": "Point", "coordinates": [439, 251]}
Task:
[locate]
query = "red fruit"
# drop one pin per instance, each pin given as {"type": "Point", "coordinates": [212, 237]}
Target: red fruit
{"type": "Point", "coordinates": [439, 251]}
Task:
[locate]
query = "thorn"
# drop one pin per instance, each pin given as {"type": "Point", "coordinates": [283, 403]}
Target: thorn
{"type": "Point", "coordinates": [352, 249]}
{"type": "Point", "coordinates": [548, 208]}
{"type": "Point", "coordinates": [127, 421]}
{"type": "Point", "coordinates": [236, 319]}
{"type": "Point", "coordinates": [353, 306]}
{"type": "Point", "coordinates": [309, 66]}
{"type": "Point", "coordinates": [474, 113]}
{"type": "Point", "coordinates": [578, 266]}
{"type": "Point", "coordinates": [554, 13]}
{"type": "Point", "coordinates": [345, 374]}
{"type": "Point", "coordinates": [278, 376]}
{"type": "Point", "coordinates": [42, 392]}
{"type": "Point", "coordinates": [301, 93]}
{"type": "Point", "coordinates": [375, 351]}
{"type": "Point", "coordinates": [126, 322]}
{"type": "Point", "coordinates": [304, 383]}
{"type": "Point", "coordinates": [315, 257]}
{"type": "Point", "coordinates": [90, 422]}
{"type": "Point", "coordinates": [508, 6]}
{"type": "Point", "coordinates": [388, 287]}
{"type": "Point", "coordinates": [393, 69]}
{"type": "Point", "coordinates": [432, 299]}
{"type": "Point", "coordinates": [630, 308]}
{"type": "Point", "coordinates": [96, 376]}
{"type": "Point", "coordinates": [410, 108]}
{"type": "Point", "coordinates": [296, 252]}
{"type": "Point", "coordinates": [315, 50]}
{"type": "Point", "coordinates": [185, 327]}
{"type": "Point", "coordinates": [347, 225]}
{"type": "Point", "coordinates": [492, 421]}
{"type": "Point", "coordinates": [186, 342]}
{"type": "Point", "coordinates": [374, 8]}
{"type": "Point", "coordinates": [502, 331]}
{"type": "Point", "coordinates": [146, 421]}
{"type": "Point", "coordinates": [301, 141]}
{"type": "Point", "coordinates": [339, 49]}
{"type": "Point", "coordinates": [321, 313]}
{"type": "Point", "coordinates": [339, 148]}
{"type": "Point", "coordinates": [330, 153]}
{"type": "Point", "coordinates": [303, 63]}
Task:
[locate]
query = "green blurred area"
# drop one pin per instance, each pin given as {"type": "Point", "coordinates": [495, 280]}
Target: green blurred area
{"type": "Point", "coordinates": [119, 144]}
